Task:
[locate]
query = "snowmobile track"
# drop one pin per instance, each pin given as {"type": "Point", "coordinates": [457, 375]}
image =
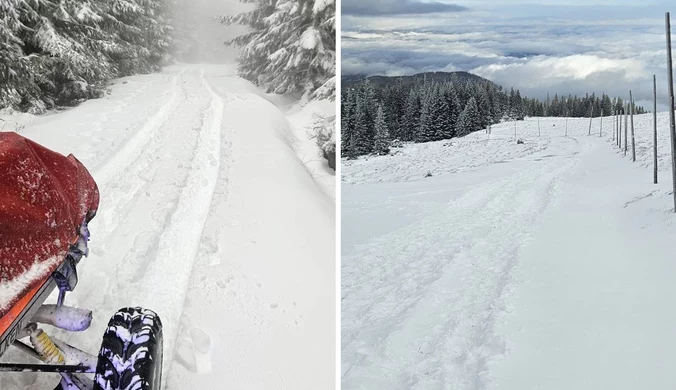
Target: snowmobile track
{"type": "Point", "coordinates": [166, 176]}
{"type": "Point", "coordinates": [420, 272]}
{"type": "Point", "coordinates": [134, 146]}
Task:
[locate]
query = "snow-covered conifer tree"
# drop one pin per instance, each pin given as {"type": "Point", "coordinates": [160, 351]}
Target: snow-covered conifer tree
{"type": "Point", "coordinates": [443, 128]}
{"type": "Point", "coordinates": [425, 131]}
{"type": "Point", "coordinates": [411, 120]}
{"type": "Point", "coordinates": [362, 137]}
{"type": "Point", "coordinates": [348, 111]}
{"type": "Point", "coordinates": [13, 83]}
{"type": "Point", "coordinates": [469, 120]}
{"type": "Point", "coordinates": [290, 47]}
{"type": "Point", "coordinates": [381, 144]}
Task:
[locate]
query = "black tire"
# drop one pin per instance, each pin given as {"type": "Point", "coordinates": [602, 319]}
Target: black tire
{"type": "Point", "coordinates": [133, 340]}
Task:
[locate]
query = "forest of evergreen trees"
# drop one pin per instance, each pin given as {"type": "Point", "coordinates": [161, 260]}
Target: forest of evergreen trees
{"type": "Point", "coordinates": [372, 117]}
{"type": "Point", "coordinates": [59, 53]}
{"type": "Point", "coordinates": [55, 53]}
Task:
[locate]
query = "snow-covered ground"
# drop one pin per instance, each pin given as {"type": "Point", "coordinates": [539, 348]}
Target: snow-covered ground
{"type": "Point", "coordinates": [209, 217]}
{"type": "Point", "coordinates": [544, 265]}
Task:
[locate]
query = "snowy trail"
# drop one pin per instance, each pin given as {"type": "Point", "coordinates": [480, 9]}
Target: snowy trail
{"type": "Point", "coordinates": [168, 163]}
{"type": "Point", "coordinates": [434, 286]}
{"type": "Point", "coordinates": [275, 290]}
{"type": "Point", "coordinates": [595, 305]}
{"type": "Point", "coordinates": [506, 275]}
{"type": "Point", "coordinates": [154, 205]}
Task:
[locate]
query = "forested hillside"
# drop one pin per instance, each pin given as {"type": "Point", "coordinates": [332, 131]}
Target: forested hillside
{"type": "Point", "coordinates": [439, 77]}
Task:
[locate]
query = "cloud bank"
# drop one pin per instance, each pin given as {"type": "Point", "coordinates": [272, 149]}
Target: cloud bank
{"type": "Point", "coordinates": [396, 7]}
{"type": "Point", "coordinates": [538, 49]}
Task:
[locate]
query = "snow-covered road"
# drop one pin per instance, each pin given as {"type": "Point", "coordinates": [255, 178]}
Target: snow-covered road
{"type": "Point", "coordinates": [518, 272]}
{"type": "Point", "coordinates": [208, 217]}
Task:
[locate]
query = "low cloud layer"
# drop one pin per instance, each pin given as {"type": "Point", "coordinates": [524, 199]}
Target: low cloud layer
{"type": "Point", "coordinates": [539, 51]}
{"type": "Point", "coordinates": [396, 7]}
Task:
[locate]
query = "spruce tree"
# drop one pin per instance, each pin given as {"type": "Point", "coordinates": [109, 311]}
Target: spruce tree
{"type": "Point", "coordinates": [426, 130]}
{"type": "Point", "coordinates": [469, 119]}
{"type": "Point", "coordinates": [290, 46]}
{"type": "Point", "coordinates": [454, 108]}
{"type": "Point", "coordinates": [348, 119]}
{"type": "Point", "coordinates": [366, 101]}
{"type": "Point", "coordinates": [382, 139]}
{"type": "Point", "coordinates": [519, 112]}
{"type": "Point", "coordinates": [411, 120]}
{"type": "Point", "coordinates": [483, 106]}
{"type": "Point", "coordinates": [441, 121]}
{"type": "Point", "coordinates": [363, 133]}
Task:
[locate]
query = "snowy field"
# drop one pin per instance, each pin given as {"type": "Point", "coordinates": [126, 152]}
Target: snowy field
{"type": "Point", "coordinates": [209, 217]}
{"type": "Point", "coordinates": [543, 265]}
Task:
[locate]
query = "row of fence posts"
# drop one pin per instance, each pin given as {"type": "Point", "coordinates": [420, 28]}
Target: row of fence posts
{"type": "Point", "coordinates": [627, 114]}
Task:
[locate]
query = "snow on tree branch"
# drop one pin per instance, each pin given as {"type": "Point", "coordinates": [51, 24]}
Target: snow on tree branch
{"type": "Point", "coordinates": [291, 47]}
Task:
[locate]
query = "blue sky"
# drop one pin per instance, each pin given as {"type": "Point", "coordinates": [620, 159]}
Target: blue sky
{"type": "Point", "coordinates": [561, 47]}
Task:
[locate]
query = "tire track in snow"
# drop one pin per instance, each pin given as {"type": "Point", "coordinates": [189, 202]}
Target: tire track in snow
{"type": "Point", "coordinates": [134, 160]}
{"type": "Point", "coordinates": [180, 239]}
{"type": "Point", "coordinates": [193, 344]}
{"type": "Point", "coordinates": [152, 212]}
{"type": "Point", "coordinates": [137, 143]}
{"type": "Point", "coordinates": [156, 193]}
{"type": "Point", "coordinates": [421, 302]}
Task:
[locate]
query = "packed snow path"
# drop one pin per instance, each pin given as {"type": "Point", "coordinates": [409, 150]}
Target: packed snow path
{"type": "Point", "coordinates": [550, 267]}
{"type": "Point", "coordinates": [208, 217]}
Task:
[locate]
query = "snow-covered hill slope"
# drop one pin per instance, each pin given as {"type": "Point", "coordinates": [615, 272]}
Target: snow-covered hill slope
{"type": "Point", "coordinates": [208, 217]}
{"type": "Point", "coordinates": [547, 264]}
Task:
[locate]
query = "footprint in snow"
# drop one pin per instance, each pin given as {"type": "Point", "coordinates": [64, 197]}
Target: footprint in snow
{"type": "Point", "coordinates": [194, 351]}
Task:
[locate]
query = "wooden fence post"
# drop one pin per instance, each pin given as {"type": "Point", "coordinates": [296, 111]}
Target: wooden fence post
{"type": "Point", "coordinates": [619, 128]}
{"type": "Point", "coordinates": [631, 112]}
{"type": "Point", "coordinates": [626, 127]}
{"type": "Point", "coordinates": [655, 129]}
{"type": "Point", "coordinates": [614, 123]}
{"type": "Point", "coordinates": [672, 125]}
{"type": "Point", "coordinates": [590, 118]}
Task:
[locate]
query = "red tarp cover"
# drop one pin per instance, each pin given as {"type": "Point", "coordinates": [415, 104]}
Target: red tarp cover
{"type": "Point", "coordinates": [44, 199]}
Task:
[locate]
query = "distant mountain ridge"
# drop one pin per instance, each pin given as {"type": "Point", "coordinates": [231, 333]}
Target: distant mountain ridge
{"type": "Point", "coordinates": [382, 81]}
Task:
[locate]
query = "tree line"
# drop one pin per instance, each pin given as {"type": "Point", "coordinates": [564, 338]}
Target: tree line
{"type": "Point", "coordinates": [576, 107]}
{"type": "Point", "coordinates": [373, 117]}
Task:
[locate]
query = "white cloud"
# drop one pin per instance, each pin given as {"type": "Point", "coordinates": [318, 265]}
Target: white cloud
{"type": "Point", "coordinates": [572, 47]}
{"type": "Point", "coordinates": [542, 71]}
{"type": "Point", "coordinates": [359, 66]}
